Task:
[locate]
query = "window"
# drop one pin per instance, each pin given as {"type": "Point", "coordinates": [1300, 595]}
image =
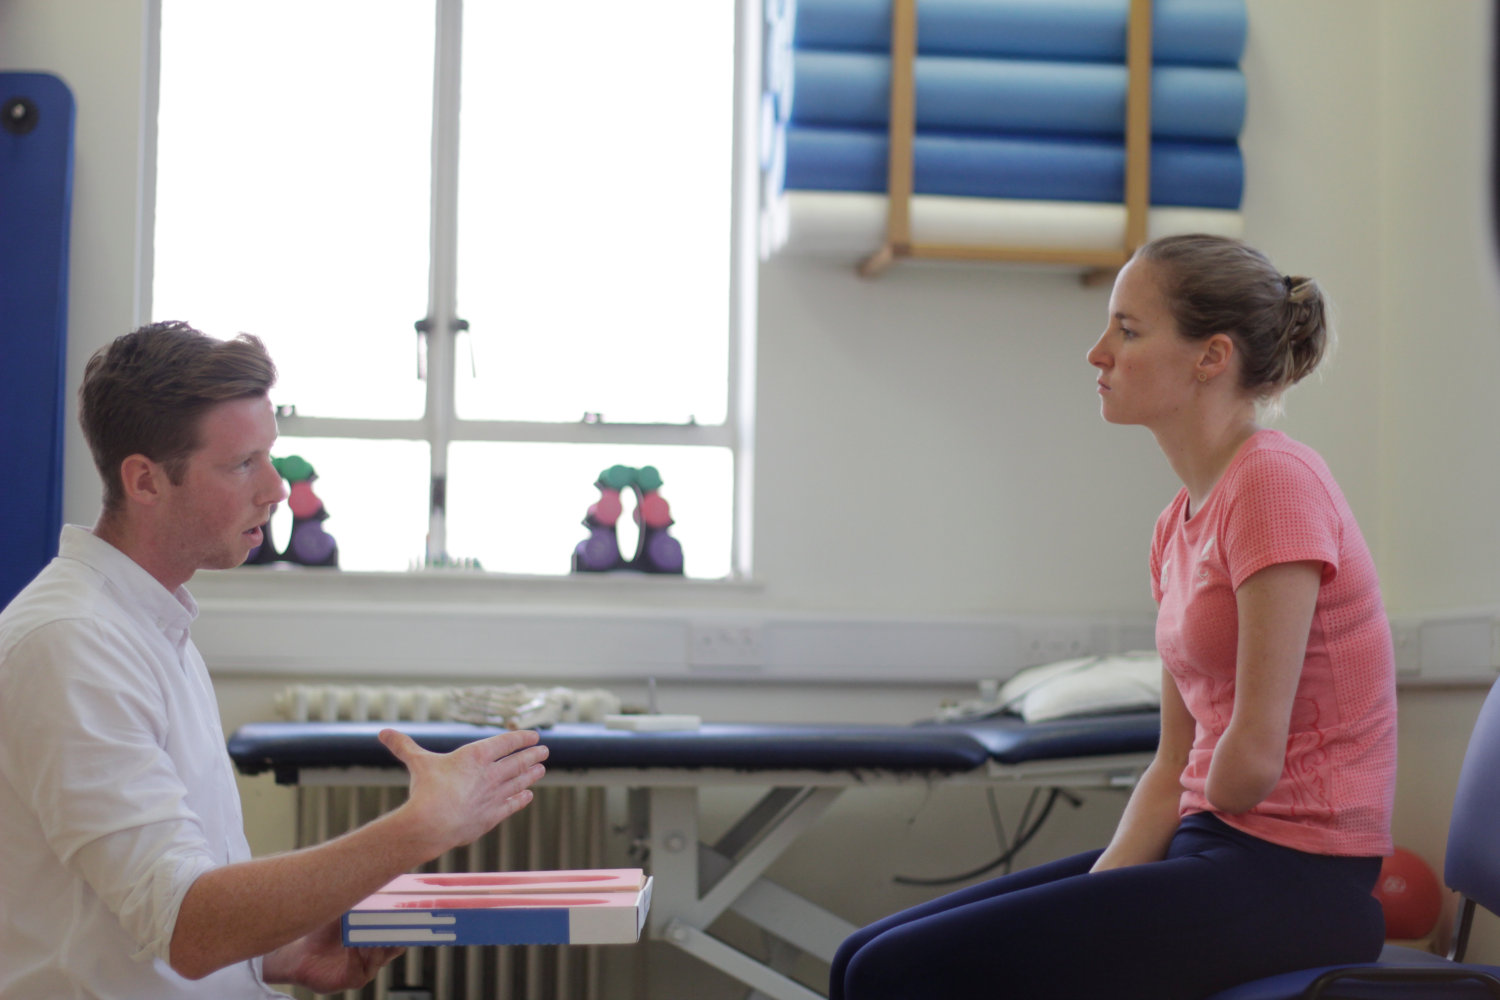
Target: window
{"type": "Point", "coordinates": [491, 247]}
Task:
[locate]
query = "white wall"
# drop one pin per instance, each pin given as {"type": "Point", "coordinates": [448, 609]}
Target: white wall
{"type": "Point", "coordinates": [928, 441]}
{"type": "Point", "coordinates": [1439, 287]}
{"type": "Point", "coordinates": [1442, 310]}
{"type": "Point", "coordinates": [951, 405]}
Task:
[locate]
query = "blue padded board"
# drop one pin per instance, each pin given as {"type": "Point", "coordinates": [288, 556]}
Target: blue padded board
{"type": "Point", "coordinates": [286, 747]}
{"type": "Point", "coordinates": [1010, 739]}
{"type": "Point", "coordinates": [36, 180]}
{"type": "Point", "coordinates": [1017, 95]}
{"type": "Point", "coordinates": [1050, 168]}
{"type": "Point", "coordinates": [1207, 32]}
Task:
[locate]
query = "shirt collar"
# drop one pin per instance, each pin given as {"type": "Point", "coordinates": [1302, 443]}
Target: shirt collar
{"type": "Point", "coordinates": [171, 609]}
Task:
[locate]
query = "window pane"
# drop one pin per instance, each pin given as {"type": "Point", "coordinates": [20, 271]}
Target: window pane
{"type": "Point", "coordinates": [293, 167]}
{"type": "Point", "coordinates": [519, 508]}
{"type": "Point", "coordinates": [374, 493]}
{"type": "Point", "coordinates": [594, 210]}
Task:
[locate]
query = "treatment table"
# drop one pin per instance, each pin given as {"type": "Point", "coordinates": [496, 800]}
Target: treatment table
{"type": "Point", "coordinates": [806, 766]}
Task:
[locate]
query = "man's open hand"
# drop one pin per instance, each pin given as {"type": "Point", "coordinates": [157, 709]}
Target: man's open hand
{"type": "Point", "coordinates": [462, 795]}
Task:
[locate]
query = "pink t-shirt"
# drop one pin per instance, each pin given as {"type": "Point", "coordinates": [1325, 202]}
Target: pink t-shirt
{"type": "Point", "coordinates": [1278, 503]}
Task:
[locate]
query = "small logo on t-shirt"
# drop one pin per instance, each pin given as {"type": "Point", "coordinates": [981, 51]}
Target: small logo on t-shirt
{"type": "Point", "coordinates": [1203, 556]}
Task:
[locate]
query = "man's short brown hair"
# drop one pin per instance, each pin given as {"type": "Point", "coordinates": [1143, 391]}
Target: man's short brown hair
{"type": "Point", "coordinates": [146, 393]}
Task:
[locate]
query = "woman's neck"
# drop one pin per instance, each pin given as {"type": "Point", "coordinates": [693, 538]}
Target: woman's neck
{"type": "Point", "coordinates": [1201, 453]}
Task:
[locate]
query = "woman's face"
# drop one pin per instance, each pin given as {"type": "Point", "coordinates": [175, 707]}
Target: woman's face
{"type": "Point", "coordinates": [1147, 370]}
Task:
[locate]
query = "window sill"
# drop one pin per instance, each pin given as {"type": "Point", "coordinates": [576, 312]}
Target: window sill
{"type": "Point", "coordinates": [280, 583]}
{"type": "Point", "coordinates": [298, 622]}
{"type": "Point", "coordinates": [453, 625]}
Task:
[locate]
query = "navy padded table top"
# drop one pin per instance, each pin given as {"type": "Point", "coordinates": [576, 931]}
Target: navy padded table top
{"type": "Point", "coordinates": [1009, 739]}
{"type": "Point", "coordinates": [285, 747]}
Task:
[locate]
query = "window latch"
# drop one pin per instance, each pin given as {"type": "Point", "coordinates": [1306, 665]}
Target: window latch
{"type": "Point", "coordinates": [424, 328]}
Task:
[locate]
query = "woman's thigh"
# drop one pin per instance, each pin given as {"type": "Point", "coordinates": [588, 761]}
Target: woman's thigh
{"type": "Point", "coordinates": [1219, 912]}
{"type": "Point", "coordinates": [1038, 875]}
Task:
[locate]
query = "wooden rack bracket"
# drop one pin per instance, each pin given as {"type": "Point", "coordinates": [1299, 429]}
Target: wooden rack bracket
{"type": "Point", "coordinates": [1100, 265]}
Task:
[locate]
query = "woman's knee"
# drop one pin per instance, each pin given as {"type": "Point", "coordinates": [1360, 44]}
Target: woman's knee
{"type": "Point", "coordinates": [877, 971]}
{"type": "Point", "coordinates": [842, 956]}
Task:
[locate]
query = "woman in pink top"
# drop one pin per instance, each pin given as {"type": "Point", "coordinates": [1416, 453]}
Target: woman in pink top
{"type": "Point", "coordinates": [1252, 842]}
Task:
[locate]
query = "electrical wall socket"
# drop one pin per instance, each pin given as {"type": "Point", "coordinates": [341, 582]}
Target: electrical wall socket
{"type": "Point", "coordinates": [1049, 643]}
{"type": "Point", "coordinates": [1406, 638]}
{"type": "Point", "coordinates": [726, 645]}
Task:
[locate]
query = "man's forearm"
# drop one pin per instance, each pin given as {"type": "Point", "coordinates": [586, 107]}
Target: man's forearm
{"type": "Point", "coordinates": [240, 911]}
{"type": "Point", "coordinates": [237, 912]}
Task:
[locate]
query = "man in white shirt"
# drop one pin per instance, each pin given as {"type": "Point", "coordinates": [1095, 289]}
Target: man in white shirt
{"type": "Point", "coordinates": [124, 870]}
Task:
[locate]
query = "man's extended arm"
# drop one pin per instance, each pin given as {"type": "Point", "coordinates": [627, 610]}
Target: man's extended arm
{"type": "Point", "coordinates": [240, 911]}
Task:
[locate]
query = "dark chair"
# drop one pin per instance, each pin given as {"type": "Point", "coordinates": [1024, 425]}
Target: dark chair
{"type": "Point", "coordinates": [1472, 868]}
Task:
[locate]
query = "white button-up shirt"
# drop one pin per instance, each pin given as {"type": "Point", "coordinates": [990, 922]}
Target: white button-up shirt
{"type": "Point", "coordinates": [115, 788]}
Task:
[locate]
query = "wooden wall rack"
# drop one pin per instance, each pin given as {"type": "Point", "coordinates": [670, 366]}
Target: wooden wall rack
{"type": "Point", "coordinates": [1097, 263]}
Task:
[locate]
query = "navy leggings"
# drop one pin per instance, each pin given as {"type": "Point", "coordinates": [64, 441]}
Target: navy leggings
{"type": "Point", "coordinates": [1221, 909]}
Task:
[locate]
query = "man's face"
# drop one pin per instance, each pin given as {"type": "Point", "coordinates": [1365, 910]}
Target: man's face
{"type": "Point", "coordinates": [228, 489]}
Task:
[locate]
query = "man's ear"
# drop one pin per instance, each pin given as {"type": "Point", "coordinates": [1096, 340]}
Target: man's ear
{"type": "Point", "coordinates": [1218, 352]}
{"type": "Point", "coordinates": [143, 480]}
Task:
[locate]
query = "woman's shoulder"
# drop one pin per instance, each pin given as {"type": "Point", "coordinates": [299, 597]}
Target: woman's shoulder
{"type": "Point", "coordinates": [1271, 453]}
{"type": "Point", "coordinates": [1283, 473]}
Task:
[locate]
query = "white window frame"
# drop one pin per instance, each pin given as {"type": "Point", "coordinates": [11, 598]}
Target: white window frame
{"type": "Point", "coordinates": [440, 426]}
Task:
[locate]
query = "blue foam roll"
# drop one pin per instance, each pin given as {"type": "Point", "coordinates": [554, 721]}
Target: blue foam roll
{"type": "Point", "coordinates": [957, 93]}
{"type": "Point", "coordinates": [1189, 174]}
{"type": "Point", "coordinates": [1208, 32]}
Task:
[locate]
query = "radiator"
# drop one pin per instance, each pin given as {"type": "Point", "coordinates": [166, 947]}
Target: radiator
{"type": "Point", "coordinates": [562, 828]}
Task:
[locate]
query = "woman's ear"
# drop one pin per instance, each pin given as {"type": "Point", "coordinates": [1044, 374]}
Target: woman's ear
{"type": "Point", "coordinates": [1217, 356]}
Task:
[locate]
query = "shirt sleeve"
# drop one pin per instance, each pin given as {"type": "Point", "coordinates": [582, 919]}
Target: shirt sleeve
{"type": "Point", "coordinates": [1279, 511]}
{"type": "Point", "coordinates": [82, 741]}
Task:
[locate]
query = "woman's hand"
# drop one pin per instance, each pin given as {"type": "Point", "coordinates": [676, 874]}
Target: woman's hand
{"type": "Point", "coordinates": [1150, 818]}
